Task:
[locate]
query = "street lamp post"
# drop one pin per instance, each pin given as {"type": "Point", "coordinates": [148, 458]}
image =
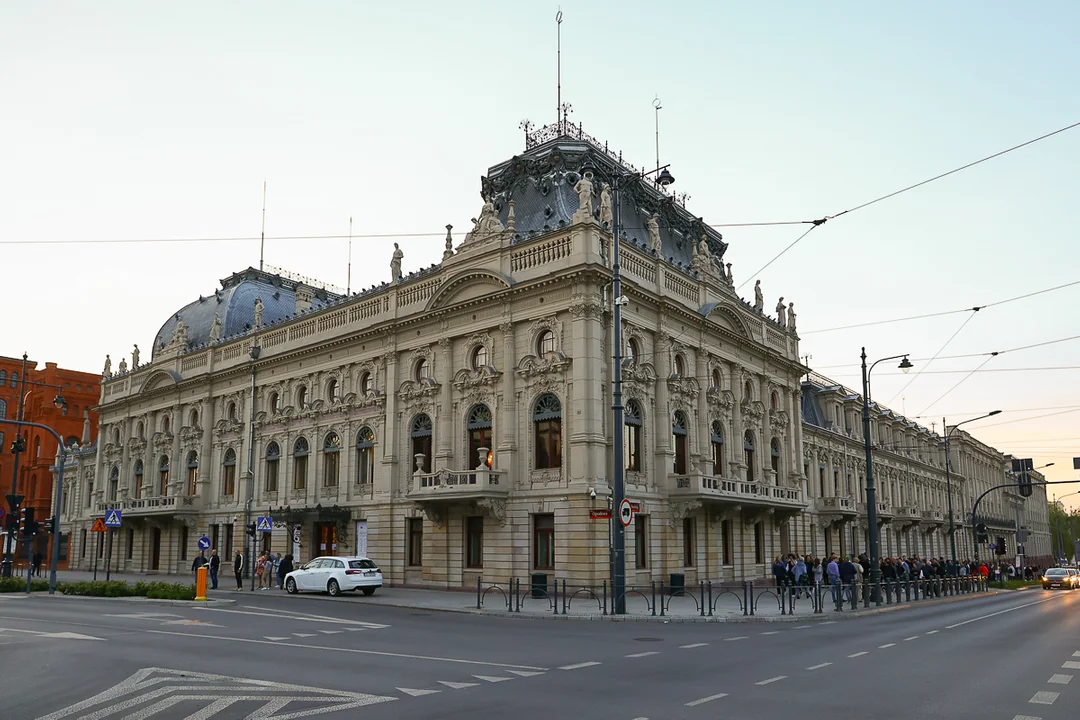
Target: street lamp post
{"type": "Point", "coordinates": [249, 565]}
{"type": "Point", "coordinates": [871, 491]}
{"type": "Point", "coordinates": [948, 479]}
{"type": "Point", "coordinates": [13, 507]}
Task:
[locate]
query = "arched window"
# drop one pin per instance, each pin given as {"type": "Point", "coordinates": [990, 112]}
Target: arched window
{"type": "Point", "coordinates": [141, 429]}
{"type": "Point", "coordinates": [231, 412]}
{"type": "Point", "coordinates": [748, 391]}
{"type": "Point", "coordinates": [331, 459]}
{"type": "Point", "coordinates": [633, 351]}
{"type": "Point", "coordinates": [776, 460]}
{"type": "Point", "coordinates": [228, 473]}
{"type": "Point", "coordinates": [422, 371]}
{"type": "Point", "coordinates": [681, 439]}
{"type": "Point", "coordinates": [367, 383]}
{"type": "Point", "coordinates": [273, 465]}
{"type": "Point", "coordinates": [632, 422]}
{"type": "Point", "coordinates": [301, 397]}
{"type": "Point", "coordinates": [114, 483]}
{"type": "Point", "coordinates": [14, 379]}
{"type": "Point", "coordinates": [3, 407]}
{"type": "Point", "coordinates": [748, 448]}
{"type": "Point", "coordinates": [33, 486]}
{"type": "Point", "coordinates": [3, 378]}
{"type": "Point", "coordinates": [420, 433]}
{"type": "Point", "coordinates": [193, 418]}
{"type": "Point", "coordinates": [547, 424]}
{"type": "Point", "coordinates": [479, 357]}
{"type": "Point", "coordinates": [37, 446]}
{"type": "Point", "coordinates": [717, 381]}
{"type": "Point", "coordinates": [300, 458]}
{"type": "Point", "coordinates": [680, 365]}
{"type": "Point", "coordinates": [89, 489]}
{"type": "Point", "coordinates": [163, 475]}
{"type": "Point", "coordinates": [331, 390]}
{"type": "Point", "coordinates": [138, 481]}
{"type": "Point", "coordinates": [274, 403]}
{"type": "Point", "coordinates": [545, 343]}
{"type": "Point", "coordinates": [193, 471]}
{"type": "Point", "coordinates": [717, 448]}
{"type": "Point", "coordinates": [365, 456]}
{"type": "Point", "coordinates": [478, 425]}
{"type": "Point", "coordinates": [774, 404]}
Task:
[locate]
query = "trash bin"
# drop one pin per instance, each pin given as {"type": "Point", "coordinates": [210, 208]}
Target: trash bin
{"type": "Point", "coordinates": [677, 584]}
{"type": "Point", "coordinates": [539, 585]}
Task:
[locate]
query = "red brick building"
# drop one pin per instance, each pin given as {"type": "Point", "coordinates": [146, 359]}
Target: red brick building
{"type": "Point", "coordinates": [80, 392]}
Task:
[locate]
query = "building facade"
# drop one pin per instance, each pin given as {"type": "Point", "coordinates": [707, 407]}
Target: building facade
{"type": "Point", "coordinates": [455, 422]}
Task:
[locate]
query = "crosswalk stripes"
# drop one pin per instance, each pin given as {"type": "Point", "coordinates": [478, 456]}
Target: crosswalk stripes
{"type": "Point", "coordinates": [492, 678]}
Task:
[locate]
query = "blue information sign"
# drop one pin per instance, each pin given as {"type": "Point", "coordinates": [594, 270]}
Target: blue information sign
{"type": "Point", "coordinates": [113, 518]}
{"type": "Point", "coordinates": [264, 524]}
{"type": "Point", "coordinates": [204, 543]}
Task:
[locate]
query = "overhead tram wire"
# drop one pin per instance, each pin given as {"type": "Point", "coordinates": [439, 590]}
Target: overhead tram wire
{"type": "Point", "coordinates": [940, 350]}
{"type": "Point", "coordinates": [370, 236]}
{"type": "Point", "coordinates": [958, 384]}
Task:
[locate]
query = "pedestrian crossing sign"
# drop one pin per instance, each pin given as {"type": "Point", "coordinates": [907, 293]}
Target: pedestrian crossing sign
{"type": "Point", "coordinates": [264, 524]}
{"type": "Point", "coordinates": [99, 526]}
{"type": "Point", "coordinates": [112, 518]}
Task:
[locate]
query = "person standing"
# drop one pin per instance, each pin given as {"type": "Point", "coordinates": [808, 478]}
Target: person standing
{"type": "Point", "coordinates": [284, 568]}
{"type": "Point", "coordinates": [215, 566]}
{"type": "Point", "coordinates": [238, 568]}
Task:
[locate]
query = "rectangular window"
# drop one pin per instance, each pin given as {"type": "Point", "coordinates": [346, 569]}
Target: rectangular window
{"type": "Point", "coordinates": [415, 530]}
{"type": "Point", "coordinates": [215, 537]}
{"type": "Point", "coordinates": [228, 540]}
{"type": "Point", "coordinates": [228, 482]}
{"type": "Point", "coordinates": [300, 472]}
{"type": "Point", "coordinates": [82, 543]}
{"type": "Point", "coordinates": [727, 543]}
{"type": "Point", "coordinates": [272, 475]}
{"type": "Point", "coordinates": [365, 465]}
{"type": "Point", "coordinates": [474, 542]}
{"type": "Point", "coordinates": [689, 541]}
{"type": "Point", "coordinates": [632, 445]}
{"type": "Point", "coordinates": [330, 469]}
{"type": "Point", "coordinates": [183, 542]}
{"type": "Point", "coordinates": [544, 542]}
{"type": "Point", "coordinates": [130, 553]}
{"type": "Point", "coordinates": [421, 445]}
{"type": "Point", "coordinates": [548, 443]}
{"type": "Point", "coordinates": [759, 543]}
{"type": "Point", "coordinates": [65, 541]}
{"type": "Point", "coordinates": [641, 541]}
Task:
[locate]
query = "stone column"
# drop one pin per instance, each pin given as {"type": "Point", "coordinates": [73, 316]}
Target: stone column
{"type": "Point", "coordinates": [704, 439]}
{"type": "Point", "coordinates": [583, 414]}
{"type": "Point", "coordinates": [737, 442]}
{"type": "Point", "coordinates": [386, 438]}
{"type": "Point", "coordinates": [662, 412]}
{"type": "Point", "coordinates": [177, 469]}
{"type": "Point", "coordinates": [507, 416]}
{"type": "Point", "coordinates": [125, 469]}
{"type": "Point", "coordinates": [445, 419]}
{"type": "Point", "coordinates": [206, 422]}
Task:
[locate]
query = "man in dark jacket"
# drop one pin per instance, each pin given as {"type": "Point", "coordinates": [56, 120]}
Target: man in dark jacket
{"type": "Point", "coordinates": [215, 566]}
{"type": "Point", "coordinates": [848, 573]}
{"type": "Point", "coordinates": [284, 568]}
{"type": "Point", "coordinates": [238, 568]}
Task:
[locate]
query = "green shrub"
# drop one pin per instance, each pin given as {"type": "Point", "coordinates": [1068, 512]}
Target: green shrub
{"type": "Point", "coordinates": [113, 588]}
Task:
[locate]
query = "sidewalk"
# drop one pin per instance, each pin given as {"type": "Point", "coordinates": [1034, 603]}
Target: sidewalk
{"type": "Point", "coordinates": [727, 607]}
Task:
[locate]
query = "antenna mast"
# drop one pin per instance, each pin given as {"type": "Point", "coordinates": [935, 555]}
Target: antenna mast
{"type": "Point", "coordinates": [262, 236]}
{"type": "Point", "coordinates": [348, 276]}
{"type": "Point", "coordinates": [656, 119]}
{"type": "Point", "coordinates": [558, 73]}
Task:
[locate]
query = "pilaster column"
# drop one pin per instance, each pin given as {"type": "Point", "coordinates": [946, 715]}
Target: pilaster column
{"type": "Point", "coordinates": [445, 449]}
{"type": "Point", "coordinates": [737, 440]}
{"type": "Point", "coordinates": [662, 420]}
{"type": "Point", "coordinates": [507, 415]}
{"type": "Point", "coordinates": [206, 422]}
{"type": "Point", "coordinates": [704, 426]}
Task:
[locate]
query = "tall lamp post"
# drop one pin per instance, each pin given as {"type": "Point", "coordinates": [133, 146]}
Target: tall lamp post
{"type": "Point", "coordinates": [618, 489]}
{"type": "Point", "coordinates": [948, 479]}
{"type": "Point", "coordinates": [16, 448]}
{"type": "Point", "coordinates": [871, 492]}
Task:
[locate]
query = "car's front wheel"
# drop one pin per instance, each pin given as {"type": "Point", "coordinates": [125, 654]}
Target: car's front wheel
{"type": "Point", "coordinates": [290, 586]}
{"type": "Point", "coordinates": [333, 588]}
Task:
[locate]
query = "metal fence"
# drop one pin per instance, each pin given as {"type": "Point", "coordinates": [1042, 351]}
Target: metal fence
{"type": "Point", "coordinates": [708, 599]}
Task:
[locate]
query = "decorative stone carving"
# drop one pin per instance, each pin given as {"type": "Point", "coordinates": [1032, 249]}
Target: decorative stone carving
{"type": "Point", "coordinates": [678, 510]}
{"type": "Point", "coordinates": [433, 513]}
{"type": "Point", "coordinates": [780, 312]}
{"type": "Point", "coordinates": [653, 224]}
{"type": "Point", "coordinates": [135, 357]}
{"type": "Point", "coordinates": [584, 189]}
{"type": "Point", "coordinates": [122, 369]}
{"type": "Point", "coordinates": [587, 307]}
{"type": "Point", "coordinates": [395, 263]}
{"type": "Point", "coordinates": [791, 316]}
{"type": "Point", "coordinates": [107, 371]}
{"type": "Point", "coordinates": [179, 336]}
{"type": "Point", "coordinates": [605, 205]}
{"type": "Point", "coordinates": [449, 251]}
{"type": "Point", "coordinates": [216, 327]}
{"type": "Point", "coordinates": [496, 507]}
{"type": "Point", "coordinates": [488, 223]}
{"type": "Point", "coordinates": [759, 297]}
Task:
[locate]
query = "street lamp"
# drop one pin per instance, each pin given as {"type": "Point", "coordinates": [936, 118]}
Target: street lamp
{"type": "Point", "coordinates": [871, 493]}
{"type": "Point", "coordinates": [948, 480]}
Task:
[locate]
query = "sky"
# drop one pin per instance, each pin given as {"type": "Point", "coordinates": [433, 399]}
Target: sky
{"type": "Point", "coordinates": [148, 121]}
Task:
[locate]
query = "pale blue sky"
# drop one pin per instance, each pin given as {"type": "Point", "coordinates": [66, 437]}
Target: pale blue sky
{"type": "Point", "coordinates": [136, 120]}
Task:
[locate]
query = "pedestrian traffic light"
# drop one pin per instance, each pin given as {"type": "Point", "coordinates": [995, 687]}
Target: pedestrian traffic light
{"type": "Point", "coordinates": [251, 529]}
{"type": "Point", "coordinates": [49, 525]}
{"type": "Point", "coordinates": [999, 545]}
{"type": "Point", "coordinates": [27, 523]}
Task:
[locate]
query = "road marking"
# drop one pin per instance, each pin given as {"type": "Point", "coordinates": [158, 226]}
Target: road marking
{"type": "Point", "coordinates": [772, 680]}
{"type": "Point", "coordinates": [771, 632]}
{"type": "Point", "coordinates": [693, 645]}
{"type": "Point", "coordinates": [1001, 612]}
{"type": "Point", "coordinates": [304, 634]}
{"type": "Point", "coordinates": [417, 693]}
{"type": "Point", "coordinates": [1076, 654]}
{"type": "Point", "coordinates": [55, 635]}
{"type": "Point", "coordinates": [704, 700]}
{"type": "Point", "coordinates": [1026, 717]}
{"type": "Point", "coordinates": [741, 637]}
{"type": "Point", "coordinates": [575, 666]}
{"type": "Point", "coordinates": [352, 629]}
{"type": "Point", "coordinates": [829, 622]}
{"type": "Point", "coordinates": [803, 627]}
{"type": "Point", "coordinates": [457, 685]}
{"type": "Point", "coordinates": [909, 639]}
{"type": "Point", "coordinates": [292, 615]}
{"type": "Point", "coordinates": [278, 639]}
{"type": "Point", "coordinates": [1044, 698]}
{"type": "Point", "coordinates": [1071, 665]}
{"type": "Point", "coordinates": [1060, 679]}
{"type": "Point", "coordinates": [492, 678]}
{"type": "Point", "coordinates": [858, 654]}
{"type": "Point", "coordinates": [886, 645]}
{"type": "Point", "coordinates": [331, 632]}
{"type": "Point", "coordinates": [931, 632]}
{"type": "Point", "coordinates": [142, 616]}
{"type": "Point", "coordinates": [818, 666]}
{"type": "Point", "coordinates": [524, 673]}
{"type": "Point", "coordinates": [643, 654]}
{"type": "Point", "coordinates": [355, 651]}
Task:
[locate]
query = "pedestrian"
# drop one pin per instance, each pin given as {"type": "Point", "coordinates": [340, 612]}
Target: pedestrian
{"type": "Point", "coordinates": [800, 575]}
{"type": "Point", "coordinates": [197, 563]}
{"type": "Point", "coordinates": [284, 568]}
{"type": "Point", "coordinates": [36, 564]}
{"type": "Point", "coordinates": [833, 571]}
{"type": "Point", "coordinates": [238, 568]}
{"type": "Point", "coordinates": [215, 566]}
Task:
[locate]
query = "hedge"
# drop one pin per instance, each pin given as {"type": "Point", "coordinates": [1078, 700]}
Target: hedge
{"type": "Point", "coordinates": [114, 588]}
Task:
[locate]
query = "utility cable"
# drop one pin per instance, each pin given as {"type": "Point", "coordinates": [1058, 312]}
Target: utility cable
{"type": "Point", "coordinates": [958, 384]}
{"type": "Point", "coordinates": [940, 350]}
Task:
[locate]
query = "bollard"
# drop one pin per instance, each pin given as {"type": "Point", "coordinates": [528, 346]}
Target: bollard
{"type": "Point", "coordinates": [752, 603]}
{"type": "Point", "coordinates": [745, 609]}
{"type": "Point", "coordinates": [710, 598]}
{"type": "Point", "coordinates": [200, 584]}
{"type": "Point", "coordinates": [605, 597]}
{"type": "Point", "coordinates": [661, 598]}
{"type": "Point", "coordinates": [653, 598]}
{"type": "Point", "coordinates": [477, 592]}
{"type": "Point", "coordinates": [701, 596]}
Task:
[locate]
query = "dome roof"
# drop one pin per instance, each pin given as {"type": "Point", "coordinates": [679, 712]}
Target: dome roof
{"type": "Point", "coordinates": [234, 303]}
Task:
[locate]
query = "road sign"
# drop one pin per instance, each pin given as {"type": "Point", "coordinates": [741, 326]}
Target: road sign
{"type": "Point", "coordinates": [993, 546]}
{"type": "Point", "coordinates": [14, 501]}
{"type": "Point", "coordinates": [636, 507]}
{"type": "Point", "coordinates": [626, 512]}
{"type": "Point", "coordinates": [263, 524]}
{"type": "Point", "coordinates": [99, 526]}
{"type": "Point", "coordinates": [1, 512]}
{"type": "Point", "coordinates": [599, 514]}
{"type": "Point", "coordinates": [204, 543]}
{"type": "Point", "coordinates": [113, 518]}
{"type": "Point", "coordinates": [296, 536]}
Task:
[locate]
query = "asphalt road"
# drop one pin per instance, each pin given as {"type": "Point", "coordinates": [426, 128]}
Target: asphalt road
{"type": "Point", "coordinates": [273, 656]}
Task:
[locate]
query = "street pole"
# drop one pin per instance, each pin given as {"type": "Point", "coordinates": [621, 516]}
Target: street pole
{"type": "Point", "coordinates": [948, 481]}
{"type": "Point", "coordinates": [618, 572]}
{"type": "Point", "coordinates": [249, 565]}
{"type": "Point", "coordinates": [9, 555]}
{"type": "Point", "coordinates": [975, 506]}
{"type": "Point", "coordinates": [871, 491]}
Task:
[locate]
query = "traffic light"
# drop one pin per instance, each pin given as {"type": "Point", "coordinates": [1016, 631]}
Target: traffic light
{"type": "Point", "coordinates": [27, 523]}
{"type": "Point", "coordinates": [999, 545]}
{"type": "Point", "coordinates": [251, 530]}
{"type": "Point", "coordinates": [49, 525]}
{"type": "Point", "coordinates": [18, 445]}
{"type": "Point", "coordinates": [1025, 485]}
{"type": "Point", "coordinates": [981, 533]}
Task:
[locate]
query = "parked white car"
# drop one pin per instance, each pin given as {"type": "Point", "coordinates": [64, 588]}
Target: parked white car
{"type": "Point", "coordinates": [335, 575]}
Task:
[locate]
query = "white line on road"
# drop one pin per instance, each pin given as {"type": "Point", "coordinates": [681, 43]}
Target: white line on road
{"type": "Point", "coordinates": [692, 645]}
{"type": "Point", "coordinates": [1001, 612]}
{"type": "Point", "coordinates": [331, 632]}
{"type": "Point", "coordinates": [803, 627]}
{"type": "Point", "coordinates": [829, 622]}
{"type": "Point", "coordinates": [524, 673]}
{"type": "Point", "coordinates": [886, 645]}
{"type": "Point", "coordinates": [1060, 679]}
{"type": "Point", "coordinates": [818, 666]}
{"type": "Point", "coordinates": [907, 639]}
{"type": "Point", "coordinates": [704, 700]}
{"type": "Point", "coordinates": [276, 639]}
{"type": "Point", "coordinates": [1076, 654]}
{"type": "Point", "coordinates": [772, 680]}
{"type": "Point", "coordinates": [931, 632]}
{"type": "Point", "coordinates": [292, 615]}
{"type": "Point", "coordinates": [643, 654]}
{"type": "Point", "coordinates": [771, 632]}
{"type": "Point", "coordinates": [1026, 717]}
{"type": "Point", "coordinates": [1044, 698]}
{"type": "Point", "coordinates": [354, 651]}
{"type": "Point", "coordinates": [304, 634]}
{"type": "Point", "coordinates": [1071, 665]}
{"type": "Point", "coordinates": [575, 666]}
{"type": "Point", "coordinates": [741, 637]}
{"type": "Point", "coordinates": [858, 654]}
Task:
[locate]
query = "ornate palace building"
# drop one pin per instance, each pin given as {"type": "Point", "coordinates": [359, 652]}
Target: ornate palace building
{"type": "Point", "coordinates": [455, 421]}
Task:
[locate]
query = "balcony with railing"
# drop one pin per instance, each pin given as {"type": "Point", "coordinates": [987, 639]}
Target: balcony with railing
{"type": "Point", "coordinates": [935, 517]}
{"type": "Point", "coordinates": [457, 485]}
{"type": "Point", "coordinates": [909, 513]}
{"type": "Point", "coordinates": [736, 492]}
{"type": "Point", "coordinates": [835, 504]}
{"type": "Point", "coordinates": [164, 505]}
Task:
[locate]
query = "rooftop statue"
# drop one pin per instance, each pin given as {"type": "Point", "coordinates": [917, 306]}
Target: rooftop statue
{"type": "Point", "coordinates": [584, 189]}
{"type": "Point", "coordinates": [258, 312]}
{"type": "Point", "coordinates": [780, 312]}
{"type": "Point", "coordinates": [395, 263]}
{"type": "Point", "coordinates": [606, 215]}
{"type": "Point", "coordinates": [653, 224]}
{"type": "Point", "coordinates": [759, 298]}
{"type": "Point", "coordinates": [215, 328]}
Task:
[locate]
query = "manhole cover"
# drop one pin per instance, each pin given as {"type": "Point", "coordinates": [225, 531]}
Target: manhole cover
{"type": "Point", "coordinates": [649, 639]}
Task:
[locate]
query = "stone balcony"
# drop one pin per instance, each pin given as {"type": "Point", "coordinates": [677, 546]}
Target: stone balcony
{"type": "Point", "coordinates": [908, 514]}
{"type": "Point", "coordinates": [168, 505]}
{"type": "Point", "coordinates": [736, 492]}
{"type": "Point", "coordinates": [835, 505]}
{"type": "Point", "coordinates": [447, 485]}
{"type": "Point", "coordinates": [935, 517]}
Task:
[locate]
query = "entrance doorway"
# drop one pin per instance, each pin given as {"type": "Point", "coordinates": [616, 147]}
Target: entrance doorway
{"type": "Point", "coordinates": [325, 539]}
{"type": "Point", "coordinates": [155, 550]}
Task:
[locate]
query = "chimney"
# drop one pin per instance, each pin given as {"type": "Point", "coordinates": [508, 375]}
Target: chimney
{"type": "Point", "coordinates": [304, 295]}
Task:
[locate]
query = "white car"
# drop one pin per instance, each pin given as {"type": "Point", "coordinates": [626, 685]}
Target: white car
{"type": "Point", "coordinates": [335, 575]}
